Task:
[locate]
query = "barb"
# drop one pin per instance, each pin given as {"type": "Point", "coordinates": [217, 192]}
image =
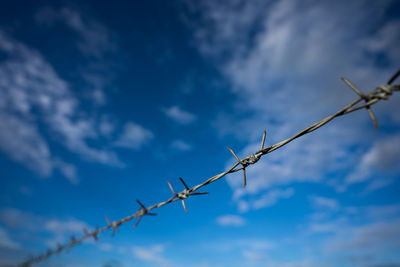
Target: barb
{"type": "Point", "coordinates": [184, 194]}
{"type": "Point", "coordinates": [366, 99]}
{"type": "Point", "coordinates": [142, 212]}
{"type": "Point", "coordinates": [381, 92]}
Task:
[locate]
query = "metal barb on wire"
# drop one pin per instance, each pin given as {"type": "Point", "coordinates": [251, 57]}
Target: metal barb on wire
{"type": "Point", "coordinates": [113, 225]}
{"type": "Point", "coordinates": [244, 165]}
{"type": "Point", "coordinates": [94, 234]}
{"type": "Point", "coordinates": [250, 159]}
{"type": "Point", "coordinates": [142, 212]}
{"type": "Point", "coordinates": [366, 99]}
{"type": "Point", "coordinates": [381, 92]}
{"type": "Point", "coordinates": [185, 193]}
{"type": "Point", "coordinates": [263, 140]}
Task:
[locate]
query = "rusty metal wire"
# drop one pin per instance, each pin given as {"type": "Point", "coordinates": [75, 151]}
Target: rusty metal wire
{"type": "Point", "coordinates": [381, 92]}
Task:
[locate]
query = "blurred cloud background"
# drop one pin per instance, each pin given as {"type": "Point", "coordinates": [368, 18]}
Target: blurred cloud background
{"type": "Point", "coordinates": [102, 103]}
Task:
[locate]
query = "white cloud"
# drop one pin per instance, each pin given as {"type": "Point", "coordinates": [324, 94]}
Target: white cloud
{"type": "Point", "coordinates": [57, 231]}
{"type": "Point", "coordinates": [21, 141]}
{"type": "Point", "coordinates": [369, 238]}
{"type": "Point", "coordinates": [243, 206]}
{"type": "Point", "coordinates": [181, 145]}
{"type": "Point", "coordinates": [61, 230]}
{"type": "Point", "coordinates": [6, 241]}
{"type": "Point", "coordinates": [380, 157]}
{"type": "Point", "coordinates": [251, 249]}
{"type": "Point", "coordinates": [323, 228]}
{"type": "Point", "coordinates": [134, 136]}
{"type": "Point", "coordinates": [271, 198]}
{"type": "Point", "coordinates": [383, 212]}
{"type": "Point", "coordinates": [95, 38]}
{"type": "Point", "coordinates": [68, 170]}
{"type": "Point", "coordinates": [324, 202]}
{"type": "Point", "coordinates": [107, 126]}
{"type": "Point", "coordinates": [106, 247]}
{"type": "Point", "coordinates": [253, 255]}
{"type": "Point", "coordinates": [178, 115]}
{"type": "Point", "coordinates": [58, 226]}
{"type": "Point", "coordinates": [367, 234]}
{"type": "Point", "coordinates": [15, 219]}
{"type": "Point", "coordinates": [151, 254]}
{"type": "Point", "coordinates": [231, 220]}
{"type": "Point", "coordinates": [32, 92]}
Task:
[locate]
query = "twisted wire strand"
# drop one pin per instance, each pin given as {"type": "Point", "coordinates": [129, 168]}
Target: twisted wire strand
{"type": "Point", "coordinates": [382, 92]}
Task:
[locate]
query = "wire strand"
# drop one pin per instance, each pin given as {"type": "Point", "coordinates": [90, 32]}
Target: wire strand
{"type": "Point", "coordinates": [382, 92]}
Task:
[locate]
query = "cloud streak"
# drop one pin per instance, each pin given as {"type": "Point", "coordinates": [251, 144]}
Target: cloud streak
{"type": "Point", "coordinates": [134, 136]}
{"type": "Point", "coordinates": [231, 220]}
{"type": "Point", "coordinates": [178, 115]}
{"type": "Point", "coordinates": [151, 254]}
{"type": "Point", "coordinates": [32, 93]}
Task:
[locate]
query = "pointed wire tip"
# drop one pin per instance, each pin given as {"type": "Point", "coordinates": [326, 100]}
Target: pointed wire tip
{"type": "Point", "coordinates": [184, 205]}
{"type": "Point", "coordinates": [263, 140]}
{"type": "Point", "coordinates": [352, 86]}
{"type": "Point", "coordinates": [358, 92]}
{"type": "Point", "coordinates": [244, 178]}
{"type": "Point", "coordinates": [137, 222]}
{"type": "Point", "coordinates": [233, 153]}
{"type": "Point", "coordinates": [373, 118]}
{"type": "Point", "coordinates": [244, 166]}
{"type": "Point", "coordinates": [394, 77]}
{"type": "Point", "coordinates": [141, 204]}
{"type": "Point", "coordinates": [184, 184]}
{"type": "Point", "coordinates": [172, 189]}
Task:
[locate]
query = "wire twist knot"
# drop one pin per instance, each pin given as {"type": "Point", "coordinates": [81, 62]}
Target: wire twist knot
{"type": "Point", "coordinates": [185, 193]}
{"type": "Point", "coordinates": [251, 159]}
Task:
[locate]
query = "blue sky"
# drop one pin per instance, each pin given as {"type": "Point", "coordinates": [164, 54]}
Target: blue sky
{"type": "Point", "coordinates": [102, 103]}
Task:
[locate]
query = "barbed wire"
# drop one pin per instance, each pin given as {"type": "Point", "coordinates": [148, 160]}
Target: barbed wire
{"type": "Point", "coordinates": [382, 92]}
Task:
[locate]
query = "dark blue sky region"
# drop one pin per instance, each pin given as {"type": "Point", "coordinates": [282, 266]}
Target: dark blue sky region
{"type": "Point", "coordinates": [102, 103]}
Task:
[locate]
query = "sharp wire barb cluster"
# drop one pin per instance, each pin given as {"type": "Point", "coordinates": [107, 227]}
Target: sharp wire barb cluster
{"type": "Point", "coordinates": [382, 92]}
{"type": "Point", "coordinates": [142, 212]}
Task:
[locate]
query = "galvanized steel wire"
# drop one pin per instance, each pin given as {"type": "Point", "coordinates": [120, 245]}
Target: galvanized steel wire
{"type": "Point", "coordinates": [382, 92]}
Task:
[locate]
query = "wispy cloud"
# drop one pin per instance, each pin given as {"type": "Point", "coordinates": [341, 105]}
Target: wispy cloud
{"type": "Point", "coordinates": [231, 220]}
{"type": "Point", "coordinates": [324, 202]}
{"type": "Point", "coordinates": [251, 250]}
{"type": "Point", "coordinates": [32, 93]}
{"type": "Point", "coordinates": [151, 254]}
{"type": "Point", "coordinates": [56, 230]}
{"type": "Point", "coordinates": [370, 239]}
{"type": "Point", "coordinates": [134, 136]}
{"type": "Point", "coordinates": [62, 229]}
{"type": "Point", "coordinates": [28, 82]}
{"type": "Point", "coordinates": [181, 145]}
{"type": "Point", "coordinates": [95, 38]}
{"type": "Point", "coordinates": [178, 115]}
{"type": "Point", "coordinates": [361, 234]}
{"type": "Point", "coordinates": [6, 241]}
{"type": "Point", "coordinates": [380, 157]}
